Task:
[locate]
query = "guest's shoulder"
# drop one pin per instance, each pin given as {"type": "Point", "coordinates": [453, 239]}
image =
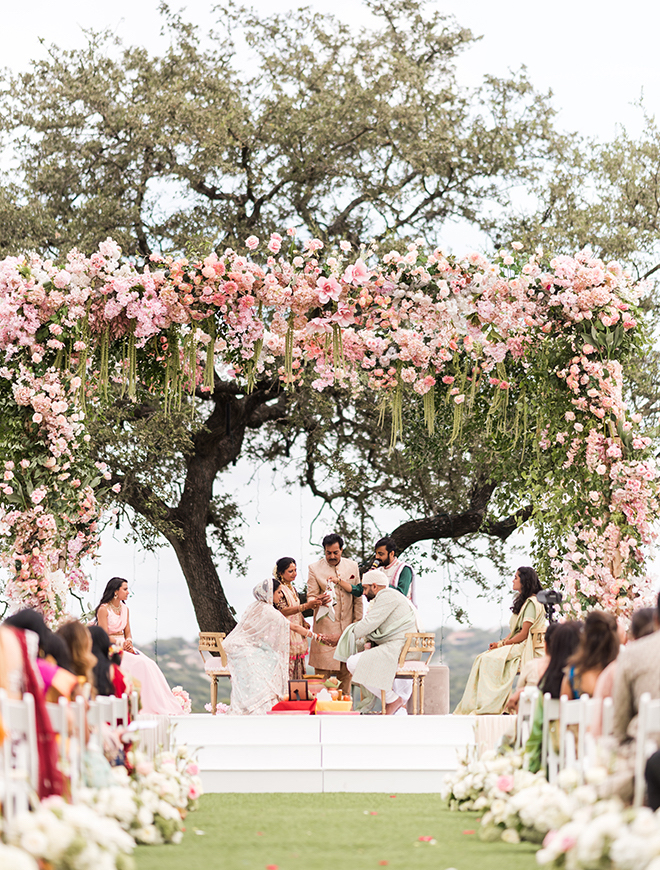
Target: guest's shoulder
{"type": "Point", "coordinates": [645, 651]}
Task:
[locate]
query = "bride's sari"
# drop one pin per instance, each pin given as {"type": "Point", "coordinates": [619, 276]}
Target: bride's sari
{"type": "Point", "coordinates": [258, 655]}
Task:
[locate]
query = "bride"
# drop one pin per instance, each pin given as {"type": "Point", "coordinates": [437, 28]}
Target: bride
{"type": "Point", "coordinates": [258, 652]}
{"type": "Point", "coordinates": [112, 615]}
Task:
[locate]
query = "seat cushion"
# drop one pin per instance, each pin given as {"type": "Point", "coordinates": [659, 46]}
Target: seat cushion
{"type": "Point", "coordinates": [215, 666]}
{"type": "Point", "coordinates": [413, 667]}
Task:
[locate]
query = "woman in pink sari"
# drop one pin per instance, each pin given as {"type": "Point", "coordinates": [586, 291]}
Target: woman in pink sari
{"type": "Point", "coordinates": [112, 615]}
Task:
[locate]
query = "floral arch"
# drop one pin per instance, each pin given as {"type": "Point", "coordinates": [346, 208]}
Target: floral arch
{"type": "Point", "coordinates": [516, 332]}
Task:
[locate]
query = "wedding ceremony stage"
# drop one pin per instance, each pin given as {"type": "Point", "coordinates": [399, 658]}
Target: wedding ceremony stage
{"type": "Point", "coordinates": [295, 753]}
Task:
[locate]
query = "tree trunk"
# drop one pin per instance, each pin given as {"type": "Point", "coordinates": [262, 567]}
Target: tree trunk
{"type": "Point", "coordinates": [208, 597]}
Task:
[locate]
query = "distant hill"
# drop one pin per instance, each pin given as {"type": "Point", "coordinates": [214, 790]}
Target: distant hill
{"type": "Point", "coordinates": [181, 662]}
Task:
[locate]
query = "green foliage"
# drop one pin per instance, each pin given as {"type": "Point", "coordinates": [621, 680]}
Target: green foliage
{"type": "Point", "coordinates": [260, 123]}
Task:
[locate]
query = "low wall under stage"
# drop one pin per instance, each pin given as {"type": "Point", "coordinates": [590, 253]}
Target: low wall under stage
{"type": "Point", "coordinates": [290, 753]}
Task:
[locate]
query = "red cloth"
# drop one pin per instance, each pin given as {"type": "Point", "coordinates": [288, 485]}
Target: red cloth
{"type": "Point", "coordinates": [296, 706]}
{"type": "Point", "coordinates": [50, 778]}
{"type": "Point", "coordinates": [119, 684]}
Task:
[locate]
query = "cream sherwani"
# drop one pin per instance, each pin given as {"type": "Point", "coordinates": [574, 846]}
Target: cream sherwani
{"type": "Point", "coordinates": [392, 616]}
{"type": "Point", "coordinates": [348, 608]}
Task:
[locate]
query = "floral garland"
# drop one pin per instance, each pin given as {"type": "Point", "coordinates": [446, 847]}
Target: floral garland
{"type": "Point", "coordinates": [519, 337]}
{"type": "Point", "coordinates": [147, 805]}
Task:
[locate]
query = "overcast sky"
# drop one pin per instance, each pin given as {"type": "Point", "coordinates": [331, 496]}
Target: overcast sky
{"type": "Point", "coordinates": [599, 59]}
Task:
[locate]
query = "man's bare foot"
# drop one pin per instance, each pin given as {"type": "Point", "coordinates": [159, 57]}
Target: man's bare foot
{"type": "Point", "coordinates": [390, 709]}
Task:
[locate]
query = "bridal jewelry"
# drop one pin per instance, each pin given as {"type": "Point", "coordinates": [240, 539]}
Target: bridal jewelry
{"type": "Point", "coordinates": [114, 607]}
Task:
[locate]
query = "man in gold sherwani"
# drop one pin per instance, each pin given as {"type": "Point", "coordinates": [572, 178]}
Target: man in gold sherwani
{"type": "Point", "coordinates": [344, 609]}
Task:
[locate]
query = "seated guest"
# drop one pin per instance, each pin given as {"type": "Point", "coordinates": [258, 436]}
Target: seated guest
{"type": "Point", "coordinates": [54, 661]}
{"type": "Point", "coordinates": [636, 673]}
{"type": "Point", "coordinates": [258, 652]}
{"type": "Point", "coordinates": [599, 645]}
{"type": "Point", "coordinates": [390, 617]}
{"type": "Point", "coordinates": [11, 664]}
{"type": "Point", "coordinates": [494, 671]}
{"type": "Point", "coordinates": [531, 673]}
{"type": "Point", "coordinates": [79, 642]}
{"type": "Point", "coordinates": [641, 625]}
{"type": "Point", "coordinates": [113, 617]}
{"type": "Point", "coordinates": [564, 642]}
{"type": "Point", "coordinates": [106, 668]}
{"type": "Point", "coordinates": [51, 781]}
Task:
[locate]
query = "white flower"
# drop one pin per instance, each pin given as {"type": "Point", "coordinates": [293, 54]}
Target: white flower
{"type": "Point", "coordinates": [511, 836]}
{"type": "Point", "coordinates": [12, 858]}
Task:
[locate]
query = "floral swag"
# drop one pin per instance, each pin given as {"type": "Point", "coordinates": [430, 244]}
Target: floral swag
{"type": "Point", "coordinates": [536, 348]}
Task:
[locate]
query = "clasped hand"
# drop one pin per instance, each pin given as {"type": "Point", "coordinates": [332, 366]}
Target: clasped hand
{"type": "Point", "coordinates": [128, 645]}
{"type": "Point", "coordinates": [315, 603]}
{"type": "Point", "coordinates": [329, 641]}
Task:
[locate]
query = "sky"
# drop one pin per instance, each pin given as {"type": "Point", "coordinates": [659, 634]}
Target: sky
{"type": "Point", "coordinates": [599, 60]}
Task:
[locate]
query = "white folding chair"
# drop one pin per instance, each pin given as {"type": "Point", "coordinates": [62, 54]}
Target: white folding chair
{"type": "Point", "coordinates": [20, 759]}
{"type": "Point", "coordinates": [648, 724]}
{"type": "Point", "coordinates": [527, 705]}
{"type": "Point", "coordinates": [607, 718]}
{"type": "Point", "coordinates": [549, 758]}
{"type": "Point", "coordinates": [572, 751]}
{"type": "Point", "coordinates": [59, 719]}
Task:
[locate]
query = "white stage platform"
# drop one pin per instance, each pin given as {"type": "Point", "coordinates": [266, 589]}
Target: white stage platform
{"type": "Point", "coordinates": [332, 753]}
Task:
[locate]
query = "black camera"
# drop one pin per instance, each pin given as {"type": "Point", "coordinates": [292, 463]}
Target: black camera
{"type": "Point", "coordinates": [369, 565]}
{"type": "Point", "coordinates": [550, 598]}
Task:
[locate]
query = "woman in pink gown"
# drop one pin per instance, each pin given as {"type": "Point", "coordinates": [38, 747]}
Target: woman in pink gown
{"type": "Point", "coordinates": [112, 614]}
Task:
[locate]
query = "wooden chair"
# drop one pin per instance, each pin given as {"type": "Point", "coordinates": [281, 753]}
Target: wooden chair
{"type": "Point", "coordinates": [216, 665]}
{"type": "Point", "coordinates": [648, 727]}
{"type": "Point", "coordinates": [417, 644]}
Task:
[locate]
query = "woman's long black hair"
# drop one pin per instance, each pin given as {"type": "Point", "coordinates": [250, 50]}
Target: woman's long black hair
{"type": "Point", "coordinates": [101, 648]}
{"type": "Point", "coordinates": [529, 585]}
{"type": "Point", "coordinates": [599, 643]}
{"type": "Point", "coordinates": [565, 640]}
{"type": "Point", "coordinates": [113, 584]}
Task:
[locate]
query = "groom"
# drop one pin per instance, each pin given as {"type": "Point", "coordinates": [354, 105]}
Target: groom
{"type": "Point", "coordinates": [382, 634]}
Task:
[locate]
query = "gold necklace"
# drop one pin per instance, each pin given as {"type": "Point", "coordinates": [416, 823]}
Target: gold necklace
{"type": "Point", "coordinates": [115, 609]}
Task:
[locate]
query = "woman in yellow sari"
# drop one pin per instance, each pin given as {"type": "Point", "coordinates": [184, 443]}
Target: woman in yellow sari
{"type": "Point", "coordinates": [494, 671]}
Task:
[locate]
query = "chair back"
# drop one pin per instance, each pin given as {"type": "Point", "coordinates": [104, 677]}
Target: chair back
{"type": "Point", "coordinates": [20, 759]}
{"type": "Point", "coordinates": [211, 642]}
{"type": "Point", "coordinates": [648, 726]}
{"type": "Point", "coordinates": [577, 713]}
{"type": "Point", "coordinates": [607, 718]}
{"type": "Point", "coordinates": [549, 758]}
{"type": "Point", "coordinates": [417, 645]}
{"type": "Point", "coordinates": [59, 719]}
{"type": "Point", "coordinates": [527, 704]}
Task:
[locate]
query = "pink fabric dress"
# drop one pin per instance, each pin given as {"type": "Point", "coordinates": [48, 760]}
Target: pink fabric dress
{"type": "Point", "coordinates": [155, 695]}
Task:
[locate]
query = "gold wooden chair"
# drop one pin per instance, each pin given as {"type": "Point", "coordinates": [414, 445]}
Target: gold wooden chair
{"type": "Point", "coordinates": [418, 644]}
{"type": "Point", "coordinates": [216, 665]}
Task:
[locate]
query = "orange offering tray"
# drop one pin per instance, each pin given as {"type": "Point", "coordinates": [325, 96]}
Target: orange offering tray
{"type": "Point", "coordinates": [334, 706]}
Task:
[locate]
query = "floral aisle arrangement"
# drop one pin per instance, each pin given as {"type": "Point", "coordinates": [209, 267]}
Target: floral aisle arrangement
{"type": "Point", "coordinates": [63, 836]}
{"type": "Point", "coordinates": [606, 836]}
{"type": "Point", "coordinates": [536, 348]}
{"type": "Point", "coordinates": [183, 698]}
{"type": "Point", "coordinates": [152, 800]}
{"type": "Point", "coordinates": [146, 805]}
{"type": "Point", "coordinates": [477, 782]}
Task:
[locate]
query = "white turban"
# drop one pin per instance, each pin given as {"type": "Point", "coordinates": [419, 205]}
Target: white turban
{"type": "Point", "coordinates": [375, 576]}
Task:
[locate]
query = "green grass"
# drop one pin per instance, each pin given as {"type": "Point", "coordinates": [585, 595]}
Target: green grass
{"type": "Point", "coordinates": [331, 832]}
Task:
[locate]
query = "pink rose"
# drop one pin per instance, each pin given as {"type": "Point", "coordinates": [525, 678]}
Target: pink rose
{"type": "Point", "coordinates": [252, 242]}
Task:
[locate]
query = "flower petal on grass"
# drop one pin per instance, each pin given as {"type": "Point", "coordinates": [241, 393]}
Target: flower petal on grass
{"type": "Point", "coordinates": [469, 831]}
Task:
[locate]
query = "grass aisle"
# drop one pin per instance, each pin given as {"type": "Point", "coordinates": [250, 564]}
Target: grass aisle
{"type": "Point", "coordinates": [328, 831]}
